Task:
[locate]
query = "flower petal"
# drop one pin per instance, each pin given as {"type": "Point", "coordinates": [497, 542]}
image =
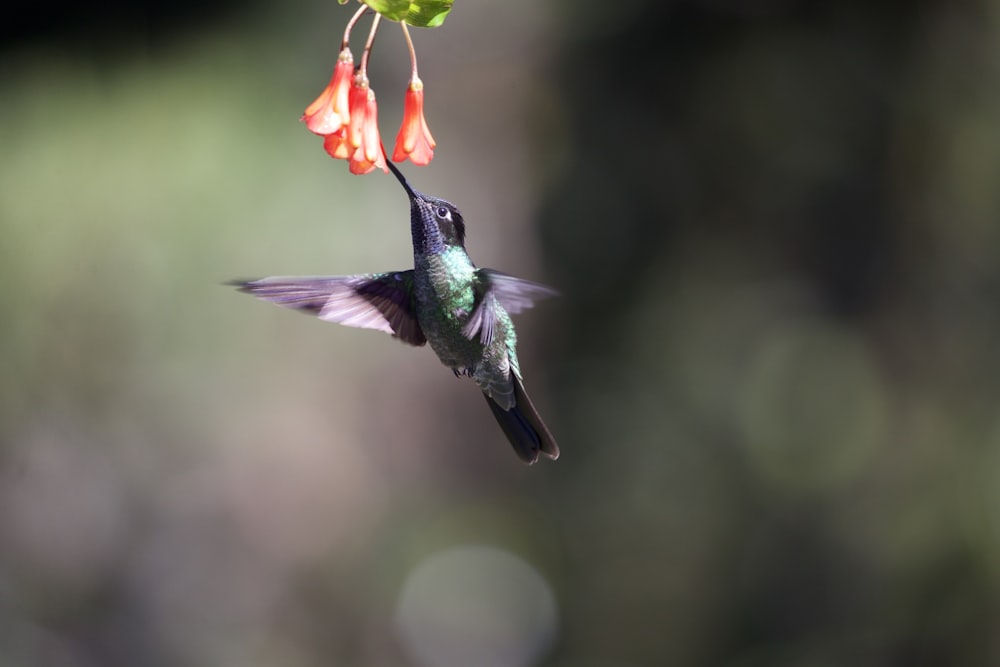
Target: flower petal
{"type": "Point", "coordinates": [337, 146]}
{"type": "Point", "coordinates": [369, 153]}
{"type": "Point", "coordinates": [329, 112]}
{"type": "Point", "coordinates": [343, 75]}
{"type": "Point", "coordinates": [414, 139]}
{"type": "Point", "coordinates": [358, 101]}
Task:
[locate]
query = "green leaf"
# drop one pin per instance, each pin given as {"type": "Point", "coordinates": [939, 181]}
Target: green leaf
{"type": "Point", "coordinates": [428, 13]}
{"type": "Point", "coordinates": [391, 9]}
{"type": "Point", "coordinates": [419, 13]}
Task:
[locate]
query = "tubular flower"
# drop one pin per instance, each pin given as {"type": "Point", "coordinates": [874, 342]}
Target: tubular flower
{"type": "Point", "coordinates": [346, 114]}
{"type": "Point", "coordinates": [359, 108]}
{"type": "Point", "coordinates": [362, 132]}
{"type": "Point", "coordinates": [337, 145]}
{"type": "Point", "coordinates": [330, 111]}
{"type": "Point", "coordinates": [414, 140]}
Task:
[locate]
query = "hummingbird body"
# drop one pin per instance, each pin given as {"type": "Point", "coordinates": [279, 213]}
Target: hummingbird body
{"type": "Point", "coordinates": [445, 300]}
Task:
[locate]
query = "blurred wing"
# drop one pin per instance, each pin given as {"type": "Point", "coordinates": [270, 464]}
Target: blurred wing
{"type": "Point", "coordinates": [493, 287]}
{"type": "Point", "coordinates": [381, 301]}
{"type": "Point", "coordinates": [483, 318]}
{"type": "Point", "coordinates": [515, 294]}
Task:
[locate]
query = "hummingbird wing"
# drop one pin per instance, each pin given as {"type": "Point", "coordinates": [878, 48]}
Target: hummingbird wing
{"type": "Point", "coordinates": [515, 294]}
{"type": "Point", "coordinates": [483, 318]}
{"type": "Point", "coordinates": [492, 287]}
{"type": "Point", "coordinates": [380, 301]}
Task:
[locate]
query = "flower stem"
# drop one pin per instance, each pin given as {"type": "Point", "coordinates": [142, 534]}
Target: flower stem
{"type": "Point", "coordinates": [368, 44]}
{"type": "Point", "coordinates": [413, 53]}
{"type": "Point", "coordinates": [350, 26]}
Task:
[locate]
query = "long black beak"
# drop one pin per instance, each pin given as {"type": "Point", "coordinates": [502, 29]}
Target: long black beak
{"type": "Point", "coordinates": [402, 180]}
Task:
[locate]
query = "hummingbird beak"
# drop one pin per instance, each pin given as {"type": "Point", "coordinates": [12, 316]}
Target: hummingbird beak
{"type": "Point", "coordinates": [402, 180]}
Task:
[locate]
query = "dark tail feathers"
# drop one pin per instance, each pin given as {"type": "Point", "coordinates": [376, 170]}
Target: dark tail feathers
{"type": "Point", "coordinates": [523, 427]}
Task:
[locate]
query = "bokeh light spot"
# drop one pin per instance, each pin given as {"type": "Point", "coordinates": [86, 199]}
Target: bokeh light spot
{"type": "Point", "coordinates": [476, 605]}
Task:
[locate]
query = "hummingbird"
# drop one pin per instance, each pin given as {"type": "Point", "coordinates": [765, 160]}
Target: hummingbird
{"type": "Point", "coordinates": [463, 312]}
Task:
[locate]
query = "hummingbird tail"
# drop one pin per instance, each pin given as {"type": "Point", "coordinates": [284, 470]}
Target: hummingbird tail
{"type": "Point", "coordinates": [523, 427]}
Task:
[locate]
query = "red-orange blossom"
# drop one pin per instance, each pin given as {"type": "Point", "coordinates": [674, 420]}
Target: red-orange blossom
{"type": "Point", "coordinates": [329, 112]}
{"type": "Point", "coordinates": [414, 140]}
{"type": "Point", "coordinates": [346, 115]}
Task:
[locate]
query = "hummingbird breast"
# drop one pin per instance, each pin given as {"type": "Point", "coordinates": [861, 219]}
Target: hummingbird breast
{"type": "Point", "coordinates": [445, 298]}
{"type": "Point", "coordinates": [443, 289]}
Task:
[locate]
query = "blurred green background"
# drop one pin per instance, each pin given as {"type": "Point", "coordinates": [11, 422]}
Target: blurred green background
{"type": "Point", "coordinates": [773, 371]}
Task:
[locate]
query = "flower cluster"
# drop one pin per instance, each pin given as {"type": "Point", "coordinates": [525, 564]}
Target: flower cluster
{"type": "Point", "coordinates": [346, 114]}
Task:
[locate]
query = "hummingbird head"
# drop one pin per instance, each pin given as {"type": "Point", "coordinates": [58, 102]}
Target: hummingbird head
{"type": "Point", "coordinates": [435, 224]}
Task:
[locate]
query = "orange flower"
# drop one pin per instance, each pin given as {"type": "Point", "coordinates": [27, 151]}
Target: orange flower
{"type": "Point", "coordinates": [414, 140]}
{"type": "Point", "coordinates": [362, 132]}
{"type": "Point", "coordinates": [337, 145]}
{"type": "Point", "coordinates": [360, 164]}
{"type": "Point", "coordinates": [330, 111]}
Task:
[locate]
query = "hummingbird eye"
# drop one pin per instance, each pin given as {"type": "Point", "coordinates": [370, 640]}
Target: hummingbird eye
{"type": "Point", "coordinates": [443, 213]}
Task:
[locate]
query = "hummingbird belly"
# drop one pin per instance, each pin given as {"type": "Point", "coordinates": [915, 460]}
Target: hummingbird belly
{"type": "Point", "coordinates": [443, 329]}
{"type": "Point", "coordinates": [445, 295]}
